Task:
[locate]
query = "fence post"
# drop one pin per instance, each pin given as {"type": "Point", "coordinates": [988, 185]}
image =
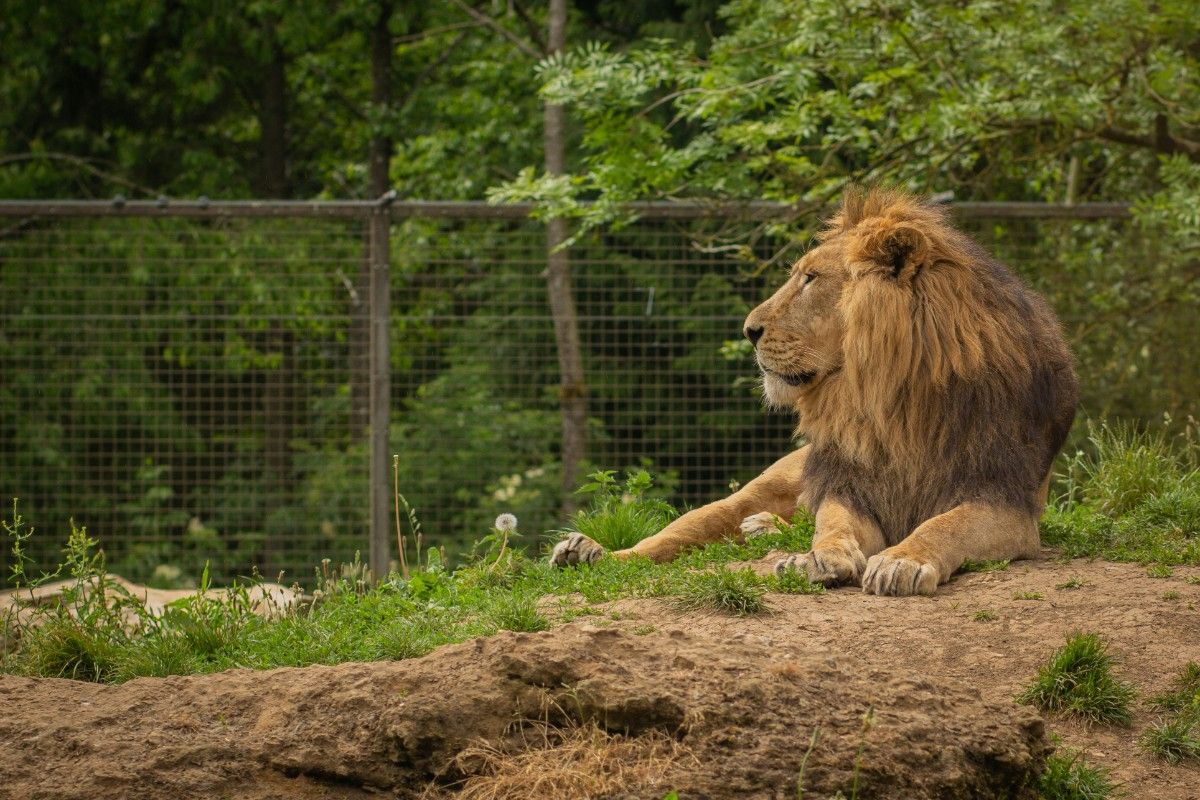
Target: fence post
{"type": "Point", "coordinates": [380, 382]}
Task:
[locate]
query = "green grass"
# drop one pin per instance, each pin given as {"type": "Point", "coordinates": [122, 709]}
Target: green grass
{"type": "Point", "coordinates": [1175, 736]}
{"type": "Point", "coordinates": [620, 514]}
{"type": "Point", "coordinates": [984, 566]}
{"type": "Point", "coordinates": [1078, 680]}
{"type": "Point", "coordinates": [1028, 595]}
{"type": "Point", "coordinates": [1073, 583]}
{"type": "Point", "coordinates": [1174, 739]}
{"type": "Point", "coordinates": [737, 592]}
{"type": "Point", "coordinates": [1130, 496]}
{"type": "Point", "coordinates": [348, 621]}
{"type": "Point", "coordinates": [1186, 691]}
{"type": "Point", "coordinates": [985, 616]}
{"type": "Point", "coordinates": [1069, 777]}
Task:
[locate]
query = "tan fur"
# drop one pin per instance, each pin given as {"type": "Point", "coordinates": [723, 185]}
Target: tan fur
{"type": "Point", "coordinates": [934, 390]}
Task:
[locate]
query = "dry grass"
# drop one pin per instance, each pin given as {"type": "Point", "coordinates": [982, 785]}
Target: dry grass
{"type": "Point", "coordinates": [581, 761]}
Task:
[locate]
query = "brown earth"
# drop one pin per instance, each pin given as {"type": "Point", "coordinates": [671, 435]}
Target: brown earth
{"type": "Point", "coordinates": [637, 700]}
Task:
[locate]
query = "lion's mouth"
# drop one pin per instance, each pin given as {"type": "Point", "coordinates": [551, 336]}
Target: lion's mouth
{"type": "Point", "coordinates": [797, 378]}
{"type": "Point", "coordinates": [800, 379]}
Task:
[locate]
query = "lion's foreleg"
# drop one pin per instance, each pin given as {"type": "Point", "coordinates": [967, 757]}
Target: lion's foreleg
{"type": "Point", "coordinates": [775, 491]}
{"type": "Point", "coordinates": [939, 546]}
{"type": "Point", "coordinates": [843, 542]}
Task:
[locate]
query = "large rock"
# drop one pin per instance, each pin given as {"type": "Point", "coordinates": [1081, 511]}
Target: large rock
{"type": "Point", "coordinates": [744, 715]}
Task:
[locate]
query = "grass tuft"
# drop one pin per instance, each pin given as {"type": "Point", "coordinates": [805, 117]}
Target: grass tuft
{"type": "Point", "coordinates": [793, 581]}
{"type": "Point", "coordinates": [518, 612]}
{"type": "Point", "coordinates": [1073, 583]}
{"type": "Point", "coordinates": [984, 566]}
{"type": "Point", "coordinates": [737, 592]}
{"type": "Point", "coordinates": [1174, 739]}
{"type": "Point", "coordinates": [1078, 680]}
{"type": "Point", "coordinates": [620, 515]}
{"type": "Point", "coordinates": [1069, 777]}
{"type": "Point", "coordinates": [985, 615]}
{"type": "Point", "coordinates": [1176, 736]}
{"type": "Point", "coordinates": [1186, 693]}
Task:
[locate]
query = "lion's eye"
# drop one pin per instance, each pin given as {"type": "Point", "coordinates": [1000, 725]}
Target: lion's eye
{"type": "Point", "coordinates": [809, 278]}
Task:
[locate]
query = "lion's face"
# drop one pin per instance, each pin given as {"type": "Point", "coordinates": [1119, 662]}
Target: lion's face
{"type": "Point", "coordinates": [797, 333]}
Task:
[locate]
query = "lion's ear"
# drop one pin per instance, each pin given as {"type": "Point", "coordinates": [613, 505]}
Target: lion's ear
{"type": "Point", "coordinates": [896, 249]}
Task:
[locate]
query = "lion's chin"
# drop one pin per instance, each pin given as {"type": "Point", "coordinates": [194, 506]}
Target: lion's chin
{"type": "Point", "coordinates": [782, 392]}
{"type": "Point", "coordinates": [779, 393]}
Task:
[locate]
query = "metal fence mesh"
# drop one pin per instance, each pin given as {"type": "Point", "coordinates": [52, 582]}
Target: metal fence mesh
{"type": "Point", "coordinates": [194, 391]}
{"type": "Point", "coordinates": [172, 386]}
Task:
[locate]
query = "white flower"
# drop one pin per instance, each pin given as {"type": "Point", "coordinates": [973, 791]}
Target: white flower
{"type": "Point", "coordinates": [506, 522]}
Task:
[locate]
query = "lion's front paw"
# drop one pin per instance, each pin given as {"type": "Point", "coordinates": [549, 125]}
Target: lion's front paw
{"type": "Point", "coordinates": [759, 524]}
{"type": "Point", "coordinates": [827, 565]}
{"type": "Point", "coordinates": [899, 576]}
{"type": "Point", "coordinates": [575, 549]}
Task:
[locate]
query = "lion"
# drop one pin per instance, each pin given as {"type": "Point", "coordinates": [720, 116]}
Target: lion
{"type": "Point", "coordinates": [934, 390]}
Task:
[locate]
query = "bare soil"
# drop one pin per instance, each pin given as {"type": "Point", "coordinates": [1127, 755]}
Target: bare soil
{"type": "Point", "coordinates": [640, 700]}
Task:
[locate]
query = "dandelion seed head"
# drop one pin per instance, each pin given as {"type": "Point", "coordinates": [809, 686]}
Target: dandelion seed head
{"type": "Point", "coordinates": [506, 522]}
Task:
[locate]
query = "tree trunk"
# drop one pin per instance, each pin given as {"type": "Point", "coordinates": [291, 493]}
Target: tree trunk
{"type": "Point", "coordinates": [572, 386]}
{"type": "Point", "coordinates": [273, 119]}
{"type": "Point", "coordinates": [280, 411]}
{"type": "Point", "coordinates": [381, 96]}
{"type": "Point", "coordinates": [378, 168]}
{"type": "Point", "coordinates": [375, 288]}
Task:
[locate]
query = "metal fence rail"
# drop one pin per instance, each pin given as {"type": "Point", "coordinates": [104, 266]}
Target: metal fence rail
{"type": "Point", "coordinates": [227, 382]}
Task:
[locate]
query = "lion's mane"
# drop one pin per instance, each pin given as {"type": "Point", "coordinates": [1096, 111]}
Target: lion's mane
{"type": "Point", "coordinates": [956, 382]}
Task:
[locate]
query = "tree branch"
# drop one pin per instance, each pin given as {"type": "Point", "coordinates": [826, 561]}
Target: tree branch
{"type": "Point", "coordinates": [1160, 141]}
{"type": "Point", "coordinates": [412, 38]}
{"type": "Point", "coordinates": [483, 19]}
{"type": "Point", "coordinates": [79, 162]}
{"type": "Point", "coordinates": [430, 68]}
{"type": "Point", "coordinates": [531, 27]}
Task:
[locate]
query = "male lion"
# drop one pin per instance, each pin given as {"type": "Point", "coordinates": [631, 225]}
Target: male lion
{"type": "Point", "coordinates": [934, 388]}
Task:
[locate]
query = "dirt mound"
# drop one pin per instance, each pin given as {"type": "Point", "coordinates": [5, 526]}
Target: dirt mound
{"type": "Point", "coordinates": [705, 717]}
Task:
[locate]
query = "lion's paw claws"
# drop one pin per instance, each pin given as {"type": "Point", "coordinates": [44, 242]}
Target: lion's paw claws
{"type": "Point", "coordinates": [759, 525]}
{"type": "Point", "coordinates": [898, 576]}
{"type": "Point", "coordinates": [825, 565]}
{"type": "Point", "coordinates": [575, 549]}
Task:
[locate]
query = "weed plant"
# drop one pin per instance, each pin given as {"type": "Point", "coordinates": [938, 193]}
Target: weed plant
{"type": "Point", "coordinates": [1079, 681]}
{"type": "Point", "coordinates": [620, 514]}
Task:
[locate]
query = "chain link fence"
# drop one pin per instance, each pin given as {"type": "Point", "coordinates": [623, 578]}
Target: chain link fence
{"type": "Point", "coordinates": [193, 382]}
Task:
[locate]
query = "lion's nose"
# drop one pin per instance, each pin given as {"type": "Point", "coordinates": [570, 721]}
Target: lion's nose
{"type": "Point", "coordinates": [753, 334]}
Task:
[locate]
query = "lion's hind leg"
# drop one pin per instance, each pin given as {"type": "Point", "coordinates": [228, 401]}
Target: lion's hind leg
{"type": "Point", "coordinates": [843, 542]}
